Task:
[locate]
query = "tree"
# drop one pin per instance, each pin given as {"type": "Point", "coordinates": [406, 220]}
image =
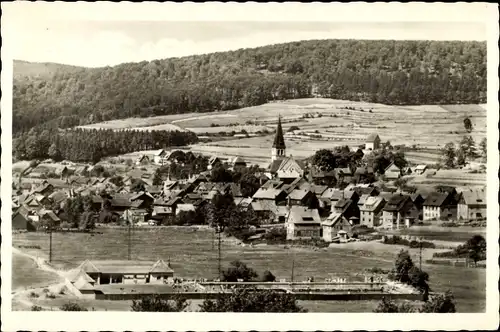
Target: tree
{"type": "Point", "coordinates": [400, 160]}
{"type": "Point", "coordinates": [388, 306]}
{"type": "Point", "coordinates": [71, 306]}
{"type": "Point", "coordinates": [238, 270]}
{"type": "Point", "coordinates": [460, 156]}
{"type": "Point", "coordinates": [324, 159]}
{"type": "Point", "coordinates": [467, 145]}
{"type": "Point", "coordinates": [484, 147]}
{"type": "Point", "coordinates": [468, 124]}
{"type": "Point", "coordinates": [117, 180]}
{"type": "Point", "coordinates": [87, 222]}
{"type": "Point", "coordinates": [54, 152]}
{"type": "Point", "coordinates": [253, 300]}
{"type": "Point", "coordinates": [155, 303]}
{"type": "Point", "coordinates": [157, 180]}
{"type": "Point", "coordinates": [137, 185]}
{"type": "Point", "coordinates": [293, 128]}
{"type": "Point", "coordinates": [440, 303]}
{"type": "Point", "coordinates": [476, 247]}
{"type": "Point", "coordinates": [406, 272]}
{"type": "Point", "coordinates": [220, 174]}
{"type": "Point", "coordinates": [267, 276]}
{"type": "Point", "coordinates": [449, 155]}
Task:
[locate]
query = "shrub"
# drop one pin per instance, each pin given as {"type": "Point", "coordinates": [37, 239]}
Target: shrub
{"type": "Point", "coordinates": [34, 295]}
{"type": "Point", "coordinates": [36, 308]}
{"type": "Point", "coordinates": [50, 295]}
{"type": "Point", "coordinates": [267, 276]}
{"type": "Point", "coordinates": [71, 306]}
{"type": "Point", "coordinates": [157, 304]}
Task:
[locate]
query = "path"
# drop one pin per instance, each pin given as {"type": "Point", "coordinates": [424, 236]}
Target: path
{"type": "Point", "coordinates": [22, 296]}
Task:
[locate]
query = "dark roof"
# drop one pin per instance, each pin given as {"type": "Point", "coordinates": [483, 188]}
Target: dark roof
{"type": "Point", "coordinates": [396, 202]}
{"type": "Point", "coordinates": [128, 267]}
{"type": "Point", "coordinates": [372, 137]}
{"type": "Point", "coordinates": [279, 140]}
{"type": "Point", "coordinates": [435, 199]}
{"type": "Point", "coordinates": [274, 166]}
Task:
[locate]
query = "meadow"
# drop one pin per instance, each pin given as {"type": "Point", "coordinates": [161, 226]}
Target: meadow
{"type": "Point", "coordinates": [193, 254]}
{"type": "Point", "coordinates": [25, 273]}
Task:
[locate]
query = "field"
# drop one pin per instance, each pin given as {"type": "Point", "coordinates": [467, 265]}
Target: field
{"type": "Point", "coordinates": [338, 122]}
{"type": "Point", "coordinates": [193, 254]}
{"type": "Point", "coordinates": [26, 274]}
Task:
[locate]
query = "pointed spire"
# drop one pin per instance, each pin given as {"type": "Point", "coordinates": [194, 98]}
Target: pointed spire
{"type": "Point", "coordinates": [279, 141]}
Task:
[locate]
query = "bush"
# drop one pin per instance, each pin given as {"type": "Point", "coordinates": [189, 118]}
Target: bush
{"type": "Point", "coordinates": [157, 304]}
{"type": "Point", "coordinates": [50, 295]}
{"type": "Point", "coordinates": [34, 295]}
{"type": "Point", "coordinates": [267, 276]}
{"type": "Point", "coordinates": [412, 244]}
{"type": "Point", "coordinates": [238, 270]}
{"type": "Point", "coordinates": [36, 308]}
{"type": "Point", "coordinates": [71, 306]}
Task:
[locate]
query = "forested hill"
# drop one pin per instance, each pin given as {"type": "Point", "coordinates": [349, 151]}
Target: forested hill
{"type": "Point", "coordinates": [391, 72]}
{"type": "Point", "coordinates": [41, 70]}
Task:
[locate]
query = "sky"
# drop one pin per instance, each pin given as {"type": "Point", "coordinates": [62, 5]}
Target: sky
{"type": "Point", "coordinates": [110, 37]}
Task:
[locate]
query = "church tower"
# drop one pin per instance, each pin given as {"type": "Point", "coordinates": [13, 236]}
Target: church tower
{"type": "Point", "coordinates": [279, 148]}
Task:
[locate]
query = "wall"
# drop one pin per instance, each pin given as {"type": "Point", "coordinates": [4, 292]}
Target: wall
{"type": "Point", "coordinates": [299, 296]}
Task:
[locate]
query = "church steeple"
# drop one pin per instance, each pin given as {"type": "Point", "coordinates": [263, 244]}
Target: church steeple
{"type": "Point", "coordinates": [278, 150]}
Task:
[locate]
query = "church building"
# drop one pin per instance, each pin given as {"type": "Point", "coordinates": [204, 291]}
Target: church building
{"type": "Point", "coordinates": [281, 166]}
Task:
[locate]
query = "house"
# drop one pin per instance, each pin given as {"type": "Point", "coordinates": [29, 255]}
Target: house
{"type": "Point", "coordinates": [303, 197]}
{"type": "Point", "coordinates": [160, 157]}
{"type": "Point", "coordinates": [160, 213]}
{"type": "Point", "coordinates": [22, 223]}
{"type": "Point", "coordinates": [420, 169]}
{"type": "Point", "coordinates": [146, 198]}
{"type": "Point", "coordinates": [472, 205]}
{"type": "Point", "coordinates": [214, 162]}
{"type": "Point", "coordinates": [333, 225]}
{"type": "Point", "coordinates": [127, 272]}
{"type": "Point", "coordinates": [275, 195]}
{"type": "Point", "coordinates": [344, 174]}
{"type": "Point", "coordinates": [347, 207]}
{"type": "Point", "coordinates": [364, 174]}
{"type": "Point", "coordinates": [399, 211]}
{"type": "Point", "coordinates": [143, 160]}
{"type": "Point", "coordinates": [318, 176]}
{"type": "Point", "coordinates": [237, 163]}
{"type": "Point", "coordinates": [371, 211]}
{"type": "Point", "coordinates": [48, 218]}
{"type": "Point", "coordinates": [392, 172]}
{"type": "Point", "coordinates": [182, 207]}
{"type": "Point", "coordinates": [418, 200]}
{"type": "Point", "coordinates": [44, 189]}
{"type": "Point", "coordinates": [440, 206]}
{"type": "Point", "coordinates": [289, 168]}
{"type": "Point", "coordinates": [303, 223]}
{"type": "Point", "coordinates": [372, 142]}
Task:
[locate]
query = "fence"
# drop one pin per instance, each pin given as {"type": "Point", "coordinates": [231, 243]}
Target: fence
{"type": "Point", "coordinates": [304, 296]}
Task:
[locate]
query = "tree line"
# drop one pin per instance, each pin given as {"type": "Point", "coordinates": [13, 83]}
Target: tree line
{"type": "Point", "coordinates": [90, 145]}
{"type": "Point", "coordinates": [390, 72]}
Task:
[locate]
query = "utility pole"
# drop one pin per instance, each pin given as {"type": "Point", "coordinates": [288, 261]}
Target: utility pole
{"type": "Point", "coordinates": [129, 235]}
{"type": "Point", "coordinates": [420, 256]}
{"type": "Point", "coordinates": [293, 266]}
{"type": "Point", "coordinates": [219, 258]}
{"type": "Point", "coordinates": [50, 244]}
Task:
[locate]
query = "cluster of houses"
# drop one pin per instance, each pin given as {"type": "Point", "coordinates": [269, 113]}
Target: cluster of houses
{"type": "Point", "coordinates": [287, 195]}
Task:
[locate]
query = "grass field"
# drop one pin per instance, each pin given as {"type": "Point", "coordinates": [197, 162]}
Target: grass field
{"type": "Point", "coordinates": [26, 274]}
{"type": "Point", "coordinates": [193, 254]}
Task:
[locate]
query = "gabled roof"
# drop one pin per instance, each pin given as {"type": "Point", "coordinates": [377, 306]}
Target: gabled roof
{"type": "Point", "coordinates": [160, 267]}
{"type": "Point", "coordinates": [274, 166]}
{"type": "Point", "coordinates": [79, 273]}
{"type": "Point", "coordinates": [334, 218]}
{"type": "Point", "coordinates": [238, 160]}
{"type": "Point", "coordinates": [279, 140]}
{"type": "Point", "coordinates": [82, 284]}
{"type": "Point", "coordinates": [304, 215]}
{"type": "Point", "coordinates": [213, 160]}
{"type": "Point", "coordinates": [474, 197]}
{"type": "Point", "coordinates": [50, 214]}
{"type": "Point", "coordinates": [435, 199]}
{"type": "Point", "coordinates": [372, 203]}
{"type": "Point", "coordinates": [396, 202]}
{"type": "Point", "coordinates": [157, 210]}
{"type": "Point", "coordinates": [141, 194]}
{"type": "Point", "coordinates": [267, 193]}
{"type": "Point", "coordinates": [88, 267]}
{"type": "Point", "coordinates": [42, 188]}
{"type": "Point", "coordinates": [298, 194]}
{"type": "Point", "coordinates": [58, 196]}
{"type": "Point", "coordinates": [372, 137]}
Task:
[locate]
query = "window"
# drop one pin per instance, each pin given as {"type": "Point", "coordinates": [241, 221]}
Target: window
{"type": "Point", "coordinates": [479, 215]}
